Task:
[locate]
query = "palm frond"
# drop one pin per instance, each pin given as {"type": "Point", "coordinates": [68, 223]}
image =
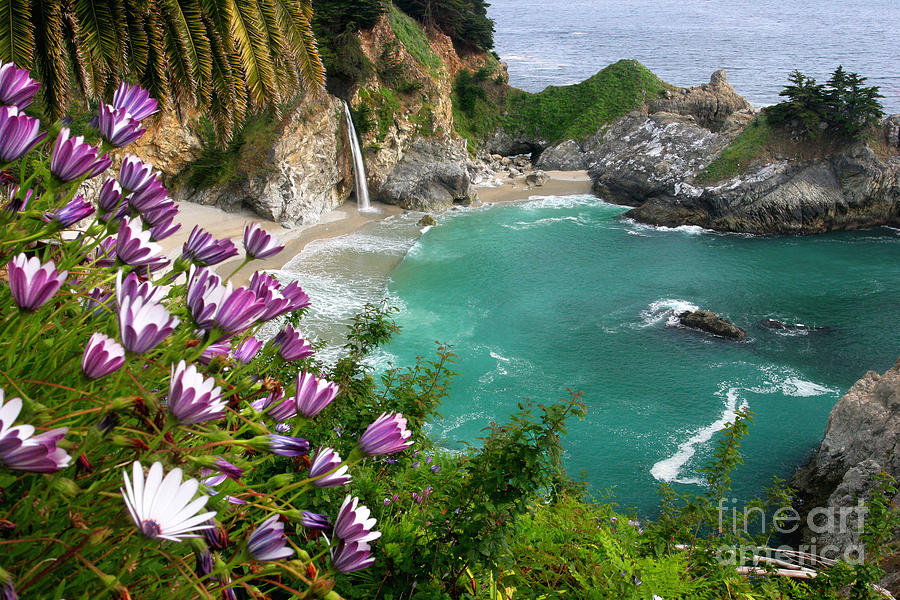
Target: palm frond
{"type": "Point", "coordinates": [186, 18]}
{"type": "Point", "coordinates": [295, 18]}
{"type": "Point", "coordinates": [180, 74]}
{"type": "Point", "coordinates": [51, 57]}
{"type": "Point", "coordinates": [251, 44]}
{"type": "Point", "coordinates": [16, 37]}
{"type": "Point", "coordinates": [137, 43]}
{"type": "Point", "coordinates": [97, 40]}
{"type": "Point", "coordinates": [153, 78]}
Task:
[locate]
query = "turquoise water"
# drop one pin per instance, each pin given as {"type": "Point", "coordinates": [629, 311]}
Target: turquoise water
{"type": "Point", "coordinates": [562, 292]}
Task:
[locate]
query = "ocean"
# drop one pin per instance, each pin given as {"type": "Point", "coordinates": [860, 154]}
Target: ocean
{"type": "Point", "coordinates": [558, 293]}
{"type": "Point", "coordinates": [553, 42]}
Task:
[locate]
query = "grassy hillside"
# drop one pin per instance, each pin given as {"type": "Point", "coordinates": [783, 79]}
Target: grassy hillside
{"type": "Point", "coordinates": [482, 104]}
{"type": "Point", "coordinates": [577, 111]}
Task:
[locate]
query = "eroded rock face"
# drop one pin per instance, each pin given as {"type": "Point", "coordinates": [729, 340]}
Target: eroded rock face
{"type": "Point", "coordinates": [430, 176]}
{"type": "Point", "coordinates": [848, 190]}
{"type": "Point", "coordinates": [861, 440]}
{"type": "Point", "coordinates": [711, 104]}
{"type": "Point", "coordinates": [644, 156]}
{"type": "Point", "coordinates": [308, 170]}
{"type": "Point", "coordinates": [710, 322]}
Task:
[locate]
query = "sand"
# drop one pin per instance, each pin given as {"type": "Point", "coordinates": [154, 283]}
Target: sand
{"type": "Point", "coordinates": [341, 221]}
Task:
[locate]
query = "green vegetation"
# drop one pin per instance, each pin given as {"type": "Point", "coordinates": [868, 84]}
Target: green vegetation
{"type": "Point", "coordinates": [577, 111]}
{"type": "Point", "coordinates": [411, 35]}
{"type": "Point", "coordinates": [464, 21]}
{"type": "Point", "coordinates": [381, 105]}
{"type": "Point", "coordinates": [843, 108]}
{"type": "Point", "coordinates": [747, 148]}
{"type": "Point", "coordinates": [481, 103]}
{"type": "Point", "coordinates": [478, 99]}
{"type": "Point", "coordinates": [336, 24]}
{"type": "Point", "coordinates": [246, 154]}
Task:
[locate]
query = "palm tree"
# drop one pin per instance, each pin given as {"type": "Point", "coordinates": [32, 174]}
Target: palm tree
{"type": "Point", "coordinates": [218, 56]}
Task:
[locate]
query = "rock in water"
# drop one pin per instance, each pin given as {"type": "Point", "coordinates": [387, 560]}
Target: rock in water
{"type": "Point", "coordinates": [427, 221]}
{"type": "Point", "coordinates": [710, 322]}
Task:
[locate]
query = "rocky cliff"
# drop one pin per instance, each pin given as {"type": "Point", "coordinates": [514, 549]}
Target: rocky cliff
{"type": "Point", "coordinates": [657, 159]}
{"type": "Point", "coordinates": [412, 156]}
{"type": "Point", "coordinates": [861, 440]}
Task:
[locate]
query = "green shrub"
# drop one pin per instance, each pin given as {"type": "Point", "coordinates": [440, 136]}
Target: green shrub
{"type": "Point", "coordinates": [410, 34]}
{"type": "Point", "coordinates": [841, 108]}
{"type": "Point", "coordinates": [740, 153]}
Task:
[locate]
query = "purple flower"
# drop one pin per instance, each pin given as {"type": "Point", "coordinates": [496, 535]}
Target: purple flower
{"type": "Point", "coordinates": [282, 427]}
{"type": "Point", "coordinates": [204, 563]}
{"type": "Point", "coordinates": [19, 133]}
{"type": "Point", "coordinates": [216, 536]}
{"type": "Point", "coordinates": [213, 350]}
{"type": "Point", "coordinates": [98, 301]}
{"type": "Point", "coordinates": [203, 250]}
{"type": "Point", "coordinates": [73, 158]}
{"type": "Point", "coordinates": [247, 349]}
{"type": "Point", "coordinates": [323, 462]}
{"type": "Point", "coordinates": [278, 301]}
{"type": "Point", "coordinates": [192, 397]}
{"type": "Point", "coordinates": [268, 542]}
{"type": "Point", "coordinates": [135, 175]}
{"type": "Point", "coordinates": [313, 394]}
{"type": "Point", "coordinates": [135, 100]}
{"type": "Point", "coordinates": [416, 464]}
{"type": "Point", "coordinates": [435, 468]}
{"type": "Point", "coordinates": [110, 197]}
{"type": "Point", "coordinates": [133, 245]}
{"type": "Point", "coordinates": [116, 126]}
{"type": "Point", "coordinates": [102, 356]}
{"type": "Point", "coordinates": [205, 293]}
{"type": "Point", "coordinates": [290, 345]}
{"type": "Point", "coordinates": [16, 87]}
{"type": "Point", "coordinates": [351, 556]}
{"type": "Point", "coordinates": [131, 286]}
{"type": "Point", "coordinates": [259, 243]}
{"type": "Point", "coordinates": [312, 520]}
{"type": "Point", "coordinates": [388, 434]}
{"type": "Point", "coordinates": [228, 469]}
{"type": "Point", "coordinates": [274, 407]}
{"type": "Point", "coordinates": [239, 310]}
{"type": "Point", "coordinates": [32, 283]}
{"type": "Point", "coordinates": [161, 220]}
{"type": "Point", "coordinates": [77, 209]}
{"type": "Point", "coordinates": [143, 323]}
{"type": "Point", "coordinates": [285, 445]}
{"type": "Point", "coordinates": [21, 450]}
{"type": "Point", "coordinates": [15, 203]}
{"type": "Point", "coordinates": [353, 522]}
{"type": "Point", "coordinates": [154, 194]}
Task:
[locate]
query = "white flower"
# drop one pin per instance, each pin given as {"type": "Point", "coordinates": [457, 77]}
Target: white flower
{"type": "Point", "coordinates": [163, 508]}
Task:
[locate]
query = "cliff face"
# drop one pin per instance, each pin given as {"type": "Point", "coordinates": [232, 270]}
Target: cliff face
{"type": "Point", "coordinates": [307, 169]}
{"type": "Point", "coordinates": [861, 440]}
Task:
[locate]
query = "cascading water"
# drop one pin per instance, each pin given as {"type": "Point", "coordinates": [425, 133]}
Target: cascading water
{"type": "Point", "coordinates": [359, 169]}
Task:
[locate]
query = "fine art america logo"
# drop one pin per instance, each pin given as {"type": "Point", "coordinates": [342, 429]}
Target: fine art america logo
{"type": "Point", "coordinates": [833, 532]}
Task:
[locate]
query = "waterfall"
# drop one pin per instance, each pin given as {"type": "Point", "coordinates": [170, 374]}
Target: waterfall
{"type": "Point", "coordinates": [359, 169]}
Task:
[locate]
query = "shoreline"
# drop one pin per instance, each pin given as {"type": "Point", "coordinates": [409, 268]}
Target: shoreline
{"type": "Point", "coordinates": [343, 220]}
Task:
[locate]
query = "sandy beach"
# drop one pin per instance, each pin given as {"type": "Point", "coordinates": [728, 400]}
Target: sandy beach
{"type": "Point", "coordinates": [342, 221]}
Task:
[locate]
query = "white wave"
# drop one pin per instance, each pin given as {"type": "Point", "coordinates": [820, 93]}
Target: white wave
{"type": "Point", "coordinates": [537, 202]}
{"type": "Point", "coordinates": [665, 308]}
{"type": "Point", "coordinates": [498, 356]}
{"type": "Point", "coordinates": [631, 232]}
{"type": "Point", "coordinates": [426, 229]}
{"type": "Point", "coordinates": [521, 225]}
{"type": "Point", "coordinates": [579, 33]}
{"type": "Point", "coordinates": [669, 469]}
{"type": "Point", "coordinates": [687, 229]}
{"type": "Point", "coordinates": [800, 388]}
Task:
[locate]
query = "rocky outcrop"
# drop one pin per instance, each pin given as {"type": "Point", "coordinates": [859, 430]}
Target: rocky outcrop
{"type": "Point", "coordinates": [429, 176]}
{"type": "Point", "coordinates": [713, 105]}
{"type": "Point", "coordinates": [308, 170]}
{"type": "Point", "coordinates": [644, 156]}
{"type": "Point", "coordinates": [847, 190]}
{"type": "Point", "coordinates": [169, 144]}
{"type": "Point", "coordinates": [861, 440]}
{"type": "Point", "coordinates": [710, 322]}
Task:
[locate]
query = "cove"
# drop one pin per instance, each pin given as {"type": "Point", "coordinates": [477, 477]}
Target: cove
{"type": "Point", "coordinates": [562, 292]}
